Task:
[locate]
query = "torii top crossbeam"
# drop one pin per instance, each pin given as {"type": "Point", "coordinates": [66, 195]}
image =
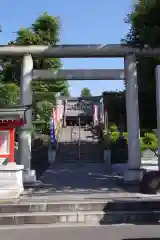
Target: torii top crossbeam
{"type": "Point", "coordinates": [78, 51]}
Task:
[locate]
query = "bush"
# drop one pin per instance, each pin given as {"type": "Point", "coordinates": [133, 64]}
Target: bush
{"type": "Point", "coordinates": [113, 128]}
{"type": "Point", "coordinates": [114, 137]}
{"type": "Point", "coordinates": [42, 127]}
{"type": "Point", "coordinates": [33, 131]}
{"type": "Point", "coordinates": [144, 147]}
{"type": "Point", "coordinates": [148, 141]}
{"type": "Point", "coordinates": [125, 135]}
{"type": "Point", "coordinates": [44, 110]}
{"type": "Point", "coordinates": [150, 138]}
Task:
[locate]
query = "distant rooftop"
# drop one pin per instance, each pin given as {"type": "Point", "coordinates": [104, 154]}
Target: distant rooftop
{"type": "Point", "coordinates": [92, 98]}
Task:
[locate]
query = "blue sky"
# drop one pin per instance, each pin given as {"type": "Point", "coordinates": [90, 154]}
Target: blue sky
{"type": "Point", "coordinates": [82, 22]}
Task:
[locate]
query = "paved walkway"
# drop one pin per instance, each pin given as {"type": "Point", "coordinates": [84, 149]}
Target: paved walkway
{"type": "Point", "coordinates": [80, 177]}
{"type": "Point", "coordinates": [115, 232]}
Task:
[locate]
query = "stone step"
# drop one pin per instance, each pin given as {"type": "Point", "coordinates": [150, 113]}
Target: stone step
{"type": "Point", "coordinates": [8, 183]}
{"type": "Point", "coordinates": [85, 217]}
{"type": "Point", "coordinates": [73, 154]}
{"type": "Point", "coordinates": [83, 205]}
{"type": "Point", "coordinates": [51, 207]}
{"type": "Point", "coordinates": [9, 193]}
{"type": "Point", "coordinates": [150, 162]}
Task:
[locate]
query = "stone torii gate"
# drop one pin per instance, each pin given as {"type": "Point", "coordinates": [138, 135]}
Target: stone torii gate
{"type": "Point", "coordinates": [86, 51]}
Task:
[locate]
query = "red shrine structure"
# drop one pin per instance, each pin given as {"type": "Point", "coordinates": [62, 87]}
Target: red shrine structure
{"type": "Point", "coordinates": [10, 119]}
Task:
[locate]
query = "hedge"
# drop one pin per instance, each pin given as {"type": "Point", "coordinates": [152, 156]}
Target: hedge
{"type": "Point", "coordinates": [148, 139]}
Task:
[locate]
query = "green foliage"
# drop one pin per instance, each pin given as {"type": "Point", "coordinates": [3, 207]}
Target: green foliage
{"type": "Point", "coordinates": [33, 131]}
{"type": "Point", "coordinates": [45, 30]}
{"type": "Point", "coordinates": [152, 146]}
{"type": "Point", "coordinates": [85, 92]}
{"type": "Point", "coordinates": [40, 96]}
{"type": "Point", "coordinates": [114, 103]}
{"type": "Point", "coordinates": [125, 135]}
{"type": "Point", "coordinates": [9, 94]}
{"type": "Point", "coordinates": [65, 92]}
{"type": "Point", "coordinates": [114, 137]}
{"type": "Point", "coordinates": [42, 127]}
{"type": "Point", "coordinates": [150, 138]}
{"type": "Point", "coordinates": [148, 141]}
{"type": "Point", "coordinates": [113, 128]}
{"type": "Point", "coordinates": [145, 30]}
{"type": "Point", "coordinates": [44, 110]}
{"type": "Point", "coordinates": [43, 113]}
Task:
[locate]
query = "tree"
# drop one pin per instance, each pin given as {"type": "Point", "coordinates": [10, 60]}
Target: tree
{"type": "Point", "coordinates": [9, 94]}
{"type": "Point", "coordinates": [43, 114]}
{"type": "Point", "coordinates": [42, 109]}
{"type": "Point", "coordinates": [85, 92]}
{"type": "Point", "coordinates": [44, 31]}
{"type": "Point", "coordinates": [65, 92]}
{"type": "Point", "coordinates": [145, 30]}
{"type": "Point", "coordinates": [1, 77]}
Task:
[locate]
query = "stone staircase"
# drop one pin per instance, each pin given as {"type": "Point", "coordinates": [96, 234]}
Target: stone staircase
{"type": "Point", "coordinates": [67, 152]}
{"type": "Point", "coordinates": [91, 212]}
{"type": "Point", "coordinates": [69, 149]}
{"type": "Point", "coordinates": [91, 152]}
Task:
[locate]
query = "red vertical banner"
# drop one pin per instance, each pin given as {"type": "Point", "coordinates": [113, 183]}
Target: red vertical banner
{"type": "Point", "coordinates": [12, 134]}
{"type": "Point", "coordinates": [102, 112]}
{"type": "Point", "coordinates": [54, 117]}
{"type": "Point", "coordinates": [58, 113]}
{"type": "Point", "coordinates": [96, 113]}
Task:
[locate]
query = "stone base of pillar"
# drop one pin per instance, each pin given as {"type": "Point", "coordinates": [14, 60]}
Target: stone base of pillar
{"type": "Point", "coordinates": [133, 176]}
{"type": "Point", "coordinates": [11, 181]}
{"type": "Point", "coordinates": [29, 176]}
{"type": "Point", "coordinates": [51, 156]}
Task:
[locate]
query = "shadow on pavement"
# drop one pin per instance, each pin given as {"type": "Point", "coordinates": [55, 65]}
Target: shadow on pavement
{"type": "Point", "coordinates": [137, 212]}
{"type": "Point", "coordinates": [39, 160]}
{"type": "Point", "coordinates": [79, 178]}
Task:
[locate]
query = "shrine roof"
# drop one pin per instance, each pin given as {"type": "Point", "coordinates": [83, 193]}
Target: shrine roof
{"type": "Point", "coordinates": [12, 114]}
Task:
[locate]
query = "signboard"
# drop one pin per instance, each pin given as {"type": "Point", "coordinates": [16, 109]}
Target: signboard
{"type": "Point", "coordinates": [79, 106]}
{"type": "Point", "coordinates": [16, 122]}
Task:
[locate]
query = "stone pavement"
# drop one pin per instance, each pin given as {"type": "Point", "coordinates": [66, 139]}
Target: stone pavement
{"type": "Point", "coordinates": [114, 232]}
{"type": "Point", "coordinates": [80, 178]}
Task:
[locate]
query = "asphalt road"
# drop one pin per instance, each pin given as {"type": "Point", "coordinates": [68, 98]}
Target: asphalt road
{"type": "Point", "coordinates": [116, 232]}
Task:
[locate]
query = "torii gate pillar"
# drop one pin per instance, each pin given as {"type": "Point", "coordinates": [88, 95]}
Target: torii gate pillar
{"type": "Point", "coordinates": [25, 131]}
{"type": "Point", "coordinates": [133, 173]}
